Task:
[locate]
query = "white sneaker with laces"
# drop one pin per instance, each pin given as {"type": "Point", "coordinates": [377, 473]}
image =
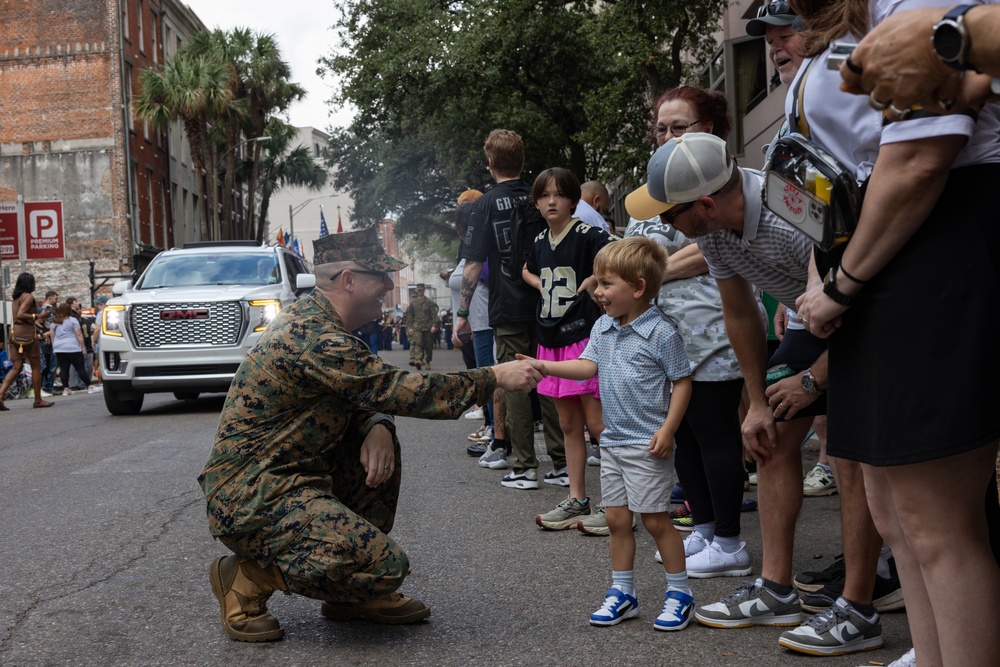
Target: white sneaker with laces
{"type": "Point", "coordinates": [694, 543]}
{"type": "Point", "coordinates": [819, 482]}
{"type": "Point", "coordinates": [475, 413]}
{"type": "Point", "coordinates": [712, 561]}
{"type": "Point", "coordinates": [67, 392]}
{"type": "Point", "coordinates": [95, 389]}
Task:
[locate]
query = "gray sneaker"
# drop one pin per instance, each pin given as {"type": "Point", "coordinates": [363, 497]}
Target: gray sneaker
{"type": "Point", "coordinates": [593, 456]}
{"type": "Point", "coordinates": [839, 630]}
{"type": "Point", "coordinates": [566, 514]}
{"type": "Point", "coordinates": [751, 604]}
{"type": "Point", "coordinates": [595, 524]}
{"type": "Point", "coordinates": [494, 459]}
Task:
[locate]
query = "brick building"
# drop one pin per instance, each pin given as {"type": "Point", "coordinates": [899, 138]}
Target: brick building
{"type": "Point", "coordinates": [69, 69]}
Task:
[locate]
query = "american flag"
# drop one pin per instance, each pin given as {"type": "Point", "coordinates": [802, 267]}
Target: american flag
{"type": "Point", "coordinates": [323, 231]}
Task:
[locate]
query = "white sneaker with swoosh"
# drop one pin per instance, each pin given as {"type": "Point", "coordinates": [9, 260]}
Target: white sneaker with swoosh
{"type": "Point", "coordinates": [751, 604]}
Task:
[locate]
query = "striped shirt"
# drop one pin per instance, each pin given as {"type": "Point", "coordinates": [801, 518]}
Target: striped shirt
{"type": "Point", "coordinates": [771, 254]}
{"type": "Point", "coordinates": [636, 364]}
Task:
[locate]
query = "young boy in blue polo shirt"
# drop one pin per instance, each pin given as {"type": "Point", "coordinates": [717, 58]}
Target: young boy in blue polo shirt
{"type": "Point", "coordinates": [645, 387]}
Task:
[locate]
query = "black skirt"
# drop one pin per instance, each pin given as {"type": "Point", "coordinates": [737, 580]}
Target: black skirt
{"type": "Point", "coordinates": [915, 368]}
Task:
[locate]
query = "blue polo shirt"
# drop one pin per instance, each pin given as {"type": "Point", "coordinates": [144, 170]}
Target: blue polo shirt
{"type": "Point", "coordinates": [636, 364]}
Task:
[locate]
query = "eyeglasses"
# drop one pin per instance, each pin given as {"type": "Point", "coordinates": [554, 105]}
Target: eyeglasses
{"type": "Point", "coordinates": [676, 130]}
{"type": "Point", "coordinates": [385, 275]}
{"type": "Point", "coordinates": [675, 212]}
{"type": "Point", "coordinates": [775, 9]}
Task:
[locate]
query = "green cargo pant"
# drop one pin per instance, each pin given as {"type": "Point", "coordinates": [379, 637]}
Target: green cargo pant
{"type": "Point", "coordinates": [510, 340]}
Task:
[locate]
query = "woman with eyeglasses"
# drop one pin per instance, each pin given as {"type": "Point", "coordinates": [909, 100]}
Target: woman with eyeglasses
{"type": "Point", "coordinates": [709, 454]}
{"type": "Point", "coordinates": [911, 308]}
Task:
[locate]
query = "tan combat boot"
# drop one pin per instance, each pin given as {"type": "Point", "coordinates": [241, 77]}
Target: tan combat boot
{"type": "Point", "coordinates": [242, 588]}
{"type": "Point", "coordinates": [392, 609]}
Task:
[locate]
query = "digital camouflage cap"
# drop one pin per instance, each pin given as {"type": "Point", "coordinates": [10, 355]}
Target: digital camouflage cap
{"type": "Point", "coordinates": [363, 247]}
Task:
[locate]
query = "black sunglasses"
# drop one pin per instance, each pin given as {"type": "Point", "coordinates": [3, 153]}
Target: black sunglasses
{"type": "Point", "coordinates": [675, 212]}
{"type": "Point", "coordinates": [384, 274]}
{"type": "Point", "coordinates": [775, 9]}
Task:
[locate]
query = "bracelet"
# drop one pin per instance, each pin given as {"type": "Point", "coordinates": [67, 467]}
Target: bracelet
{"type": "Point", "coordinates": [462, 313]}
{"type": "Point", "coordinates": [850, 277]}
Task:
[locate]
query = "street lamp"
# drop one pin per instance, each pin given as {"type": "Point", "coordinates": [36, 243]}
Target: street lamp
{"type": "Point", "coordinates": [255, 140]}
{"type": "Point", "coordinates": [293, 211]}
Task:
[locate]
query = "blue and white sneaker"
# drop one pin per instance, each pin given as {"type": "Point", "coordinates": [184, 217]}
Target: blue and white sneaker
{"type": "Point", "coordinates": [678, 608]}
{"type": "Point", "coordinates": [616, 608]}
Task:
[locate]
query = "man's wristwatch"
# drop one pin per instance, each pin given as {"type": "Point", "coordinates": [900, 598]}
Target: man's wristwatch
{"type": "Point", "coordinates": [809, 383]}
{"type": "Point", "coordinates": [951, 39]}
{"type": "Point", "coordinates": [830, 289]}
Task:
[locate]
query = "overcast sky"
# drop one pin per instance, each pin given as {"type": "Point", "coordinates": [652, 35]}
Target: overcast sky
{"type": "Point", "coordinates": [302, 29]}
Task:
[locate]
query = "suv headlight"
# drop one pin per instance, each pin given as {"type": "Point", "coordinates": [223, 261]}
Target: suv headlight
{"type": "Point", "coordinates": [268, 309]}
{"type": "Point", "coordinates": [112, 321]}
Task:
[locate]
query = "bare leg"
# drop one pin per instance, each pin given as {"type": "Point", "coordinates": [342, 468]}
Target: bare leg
{"type": "Point", "coordinates": [779, 492]}
{"type": "Point", "coordinates": [622, 538]}
{"type": "Point", "coordinates": [819, 425]}
{"type": "Point", "coordinates": [919, 615]}
{"type": "Point", "coordinates": [861, 541]}
{"type": "Point", "coordinates": [12, 374]}
{"type": "Point", "coordinates": [668, 541]}
{"type": "Point", "coordinates": [571, 418]}
{"type": "Point", "coordinates": [961, 577]}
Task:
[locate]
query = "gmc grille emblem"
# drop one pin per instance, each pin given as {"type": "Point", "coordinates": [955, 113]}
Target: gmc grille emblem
{"type": "Point", "coordinates": [188, 314]}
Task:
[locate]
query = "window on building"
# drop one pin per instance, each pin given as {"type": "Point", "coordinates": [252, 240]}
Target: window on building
{"type": "Point", "coordinates": [318, 150]}
{"type": "Point", "coordinates": [124, 7]}
{"type": "Point", "coordinates": [138, 34]}
{"type": "Point", "coordinates": [746, 85]}
{"type": "Point", "coordinates": [153, 32]}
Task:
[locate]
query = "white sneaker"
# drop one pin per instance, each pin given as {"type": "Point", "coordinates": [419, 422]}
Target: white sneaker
{"type": "Point", "coordinates": [908, 659]}
{"type": "Point", "coordinates": [694, 543]}
{"type": "Point", "coordinates": [95, 389]}
{"type": "Point", "coordinates": [476, 413]}
{"type": "Point", "coordinates": [819, 482]}
{"type": "Point", "coordinates": [65, 392]}
{"type": "Point", "coordinates": [46, 394]}
{"type": "Point", "coordinates": [714, 562]}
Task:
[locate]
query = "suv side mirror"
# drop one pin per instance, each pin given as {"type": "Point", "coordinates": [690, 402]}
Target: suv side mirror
{"type": "Point", "coordinates": [304, 282]}
{"type": "Point", "coordinates": [121, 287]}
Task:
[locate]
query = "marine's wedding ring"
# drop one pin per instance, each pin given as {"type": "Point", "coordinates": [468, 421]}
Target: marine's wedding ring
{"type": "Point", "coordinates": [947, 104]}
{"type": "Point", "coordinates": [875, 104]}
{"type": "Point", "coordinates": [903, 114]}
{"type": "Point", "coordinates": [851, 65]}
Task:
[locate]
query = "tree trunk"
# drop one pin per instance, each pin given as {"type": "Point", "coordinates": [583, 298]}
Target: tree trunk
{"type": "Point", "coordinates": [253, 186]}
{"type": "Point", "coordinates": [227, 188]}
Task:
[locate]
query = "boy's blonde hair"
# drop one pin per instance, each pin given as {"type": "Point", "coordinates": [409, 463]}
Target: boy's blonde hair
{"type": "Point", "coordinates": [631, 259]}
{"type": "Point", "coordinates": [505, 149]}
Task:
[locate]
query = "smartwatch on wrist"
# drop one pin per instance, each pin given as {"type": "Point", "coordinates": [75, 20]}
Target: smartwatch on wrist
{"type": "Point", "coordinates": [830, 289]}
{"type": "Point", "coordinates": [951, 39]}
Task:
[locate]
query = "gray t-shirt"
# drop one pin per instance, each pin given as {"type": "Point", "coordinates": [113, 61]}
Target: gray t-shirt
{"type": "Point", "coordinates": [693, 306]}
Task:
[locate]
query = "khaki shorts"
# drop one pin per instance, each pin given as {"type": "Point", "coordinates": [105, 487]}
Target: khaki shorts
{"type": "Point", "coordinates": [632, 477]}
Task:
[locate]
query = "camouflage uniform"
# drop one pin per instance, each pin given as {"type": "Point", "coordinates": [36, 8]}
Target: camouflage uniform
{"type": "Point", "coordinates": [421, 316]}
{"type": "Point", "coordinates": [284, 483]}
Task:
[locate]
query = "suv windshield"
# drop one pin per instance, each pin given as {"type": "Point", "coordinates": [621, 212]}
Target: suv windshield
{"type": "Point", "coordinates": [211, 269]}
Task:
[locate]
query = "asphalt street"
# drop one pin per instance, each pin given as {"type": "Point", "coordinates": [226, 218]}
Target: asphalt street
{"type": "Point", "coordinates": [105, 555]}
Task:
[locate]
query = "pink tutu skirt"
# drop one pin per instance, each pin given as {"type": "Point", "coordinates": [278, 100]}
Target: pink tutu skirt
{"type": "Point", "coordinates": [559, 387]}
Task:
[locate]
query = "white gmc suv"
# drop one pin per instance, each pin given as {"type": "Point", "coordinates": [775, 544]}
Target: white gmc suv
{"type": "Point", "coordinates": [190, 319]}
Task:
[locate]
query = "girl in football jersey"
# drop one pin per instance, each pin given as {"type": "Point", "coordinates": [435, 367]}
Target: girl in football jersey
{"type": "Point", "coordinates": [560, 266]}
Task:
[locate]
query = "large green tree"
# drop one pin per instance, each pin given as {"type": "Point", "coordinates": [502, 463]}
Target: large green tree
{"type": "Point", "coordinates": [430, 78]}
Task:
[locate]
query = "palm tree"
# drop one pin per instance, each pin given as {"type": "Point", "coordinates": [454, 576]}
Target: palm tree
{"type": "Point", "coordinates": [265, 81]}
{"type": "Point", "coordinates": [195, 90]}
